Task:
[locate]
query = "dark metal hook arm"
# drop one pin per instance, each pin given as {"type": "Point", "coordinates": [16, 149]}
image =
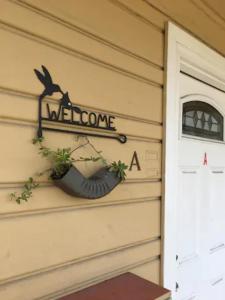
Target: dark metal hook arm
{"type": "Point", "coordinates": [121, 138]}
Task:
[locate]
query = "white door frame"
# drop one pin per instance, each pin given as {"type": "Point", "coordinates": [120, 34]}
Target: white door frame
{"type": "Point", "coordinates": [186, 53]}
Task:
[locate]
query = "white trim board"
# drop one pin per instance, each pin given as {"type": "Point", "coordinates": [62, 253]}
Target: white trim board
{"type": "Point", "coordinates": [186, 53]}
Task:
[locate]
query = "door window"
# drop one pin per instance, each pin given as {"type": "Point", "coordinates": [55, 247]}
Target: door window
{"type": "Point", "coordinates": [203, 120]}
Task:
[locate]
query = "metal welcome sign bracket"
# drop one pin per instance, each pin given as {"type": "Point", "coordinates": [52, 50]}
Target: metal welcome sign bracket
{"type": "Point", "coordinates": [67, 113]}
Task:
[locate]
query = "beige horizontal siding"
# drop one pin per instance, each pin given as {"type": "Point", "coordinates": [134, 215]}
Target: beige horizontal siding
{"type": "Point", "coordinates": [84, 80]}
{"type": "Point", "coordinates": [18, 154]}
{"type": "Point", "coordinates": [58, 201]}
{"type": "Point", "coordinates": [144, 12]}
{"type": "Point", "coordinates": [84, 233]}
{"type": "Point", "coordinates": [56, 244]}
{"type": "Point", "coordinates": [198, 17]}
{"type": "Point", "coordinates": [76, 42]}
{"type": "Point", "coordinates": [149, 270]}
{"type": "Point", "coordinates": [109, 56]}
{"type": "Point", "coordinates": [66, 278]}
{"type": "Point", "coordinates": [118, 33]}
{"type": "Point", "coordinates": [216, 7]}
{"type": "Point", "coordinates": [133, 127]}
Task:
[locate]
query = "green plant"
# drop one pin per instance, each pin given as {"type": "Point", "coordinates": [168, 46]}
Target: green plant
{"type": "Point", "coordinates": [26, 192]}
{"type": "Point", "coordinates": [119, 168]}
{"type": "Point", "coordinates": [61, 160]}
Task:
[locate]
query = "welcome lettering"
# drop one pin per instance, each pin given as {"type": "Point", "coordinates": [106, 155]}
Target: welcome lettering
{"type": "Point", "coordinates": [76, 116]}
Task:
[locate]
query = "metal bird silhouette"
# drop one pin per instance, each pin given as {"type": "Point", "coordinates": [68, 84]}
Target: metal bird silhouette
{"type": "Point", "coordinates": [46, 80]}
{"type": "Point", "coordinates": [65, 102]}
{"type": "Point", "coordinates": [51, 88]}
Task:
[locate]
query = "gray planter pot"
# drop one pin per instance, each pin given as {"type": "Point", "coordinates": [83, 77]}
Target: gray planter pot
{"type": "Point", "coordinates": [96, 186]}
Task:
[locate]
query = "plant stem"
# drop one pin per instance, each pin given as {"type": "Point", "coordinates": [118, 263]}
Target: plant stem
{"type": "Point", "coordinates": [79, 147]}
{"type": "Point", "coordinates": [96, 151]}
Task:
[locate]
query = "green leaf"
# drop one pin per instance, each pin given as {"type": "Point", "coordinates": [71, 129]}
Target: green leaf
{"type": "Point", "coordinates": [119, 168]}
{"type": "Point", "coordinates": [37, 140]}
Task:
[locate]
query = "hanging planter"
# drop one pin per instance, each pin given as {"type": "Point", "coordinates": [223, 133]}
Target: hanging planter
{"type": "Point", "coordinates": [96, 186]}
{"type": "Point", "coordinates": [68, 178]}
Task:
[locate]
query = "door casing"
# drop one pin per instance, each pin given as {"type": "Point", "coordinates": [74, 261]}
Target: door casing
{"type": "Point", "coordinates": [183, 53]}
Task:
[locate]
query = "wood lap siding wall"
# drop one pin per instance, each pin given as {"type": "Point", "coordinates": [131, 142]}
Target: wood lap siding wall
{"type": "Point", "coordinates": [109, 55]}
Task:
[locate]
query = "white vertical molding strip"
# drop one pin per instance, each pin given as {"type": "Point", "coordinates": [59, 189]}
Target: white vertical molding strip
{"type": "Point", "coordinates": [171, 155]}
{"type": "Point", "coordinates": [184, 52]}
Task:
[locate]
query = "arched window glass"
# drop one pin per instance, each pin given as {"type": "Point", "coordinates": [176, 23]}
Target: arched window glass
{"type": "Point", "coordinates": [203, 120]}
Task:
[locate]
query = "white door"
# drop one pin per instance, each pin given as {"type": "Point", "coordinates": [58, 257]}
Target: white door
{"type": "Point", "coordinates": [200, 218]}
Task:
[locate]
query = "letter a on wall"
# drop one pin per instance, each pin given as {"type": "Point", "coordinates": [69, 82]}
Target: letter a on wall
{"type": "Point", "coordinates": [135, 162]}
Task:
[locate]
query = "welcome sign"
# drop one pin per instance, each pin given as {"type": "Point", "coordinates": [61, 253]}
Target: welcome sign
{"type": "Point", "coordinates": [67, 113]}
